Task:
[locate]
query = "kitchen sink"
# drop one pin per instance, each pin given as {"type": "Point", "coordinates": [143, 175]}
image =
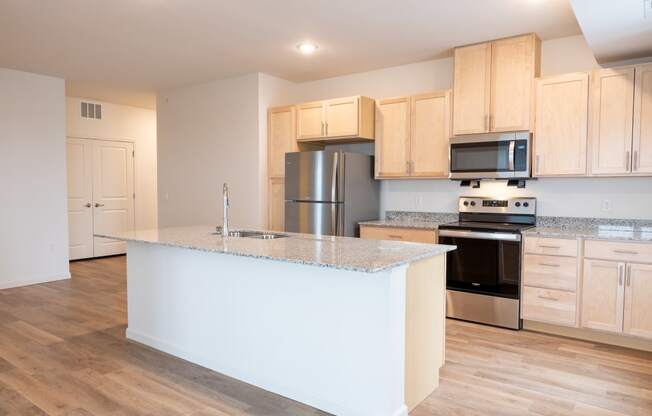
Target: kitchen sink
{"type": "Point", "coordinates": [261, 235]}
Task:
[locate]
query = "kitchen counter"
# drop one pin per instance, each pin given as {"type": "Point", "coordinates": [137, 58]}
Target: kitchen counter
{"type": "Point", "coordinates": [345, 253]}
{"type": "Point", "coordinates": [363, 315]}
{"type": "Point", "coordinates": [414, 220]}
{"type": "Point", "coordinates": [592, 228]}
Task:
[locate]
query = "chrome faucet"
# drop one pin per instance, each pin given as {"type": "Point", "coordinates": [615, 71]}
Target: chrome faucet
{"type": "Point", "coordinates": [225, 220]}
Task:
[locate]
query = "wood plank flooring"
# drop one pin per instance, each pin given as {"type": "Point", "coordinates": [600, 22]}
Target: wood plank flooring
{"type": "Point", "coordinates": [63, 352]}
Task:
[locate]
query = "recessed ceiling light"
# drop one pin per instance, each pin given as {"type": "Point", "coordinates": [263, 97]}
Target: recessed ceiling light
{"type": "Point", "coordinates": [307, 48]}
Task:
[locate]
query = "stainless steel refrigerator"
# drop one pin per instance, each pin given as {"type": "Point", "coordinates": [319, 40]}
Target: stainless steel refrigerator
{"type": "Point", "coordinates": [328, 192]}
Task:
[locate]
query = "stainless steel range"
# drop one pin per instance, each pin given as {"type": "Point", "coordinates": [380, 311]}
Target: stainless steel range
{"type": "Point", "coordinates": [483, 276]}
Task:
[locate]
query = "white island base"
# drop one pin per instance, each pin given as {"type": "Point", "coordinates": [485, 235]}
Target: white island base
{"type": "Point", "coordinates": [346, 342]}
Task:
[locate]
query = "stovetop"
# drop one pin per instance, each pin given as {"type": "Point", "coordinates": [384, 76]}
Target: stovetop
{"type": "Point", "coordinates": [486, 226]}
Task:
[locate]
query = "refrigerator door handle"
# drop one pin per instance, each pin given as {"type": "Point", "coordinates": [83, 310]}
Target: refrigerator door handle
{"type": "Point", "coordinates": [334, 178]}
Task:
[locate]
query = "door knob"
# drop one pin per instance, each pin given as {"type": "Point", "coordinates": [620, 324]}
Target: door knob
{"type": "Point", "coordinates": [88, 205]}
{"type": "Point", "coordinates": [97, 205]}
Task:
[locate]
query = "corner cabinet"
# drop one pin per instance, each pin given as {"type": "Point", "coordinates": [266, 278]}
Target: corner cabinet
{"type": "Point", "coordinates": [494, 85]}
{"type": "Point", "coordinates": [560, 134]}
{"type": "Point", "coordinates": [412, 136]}
{"type": "Point", "coordinates": [336, 120]}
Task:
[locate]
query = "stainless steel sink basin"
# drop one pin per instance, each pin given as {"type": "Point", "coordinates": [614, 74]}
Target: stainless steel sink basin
{"type": "Point", "coordinates": [254, 234]}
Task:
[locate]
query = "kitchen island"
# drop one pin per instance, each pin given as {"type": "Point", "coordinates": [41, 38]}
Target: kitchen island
{"type": "Point", "coordinates": [349, 326]}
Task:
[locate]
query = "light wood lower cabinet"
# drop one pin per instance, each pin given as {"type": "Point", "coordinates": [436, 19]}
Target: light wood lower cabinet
{"type": "Point", "coordinates": [638, 301]}
{"type": "Point", "coordinates": [603, 293]}
{"type": "Point", "coordinates": [276, 215]}
{"type": "Point", "coordinates": [549, 305]}
{"type": "Point", "coordinates": [398, 234]}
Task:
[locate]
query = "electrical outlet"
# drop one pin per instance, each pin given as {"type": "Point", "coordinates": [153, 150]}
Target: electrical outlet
{"type": "Point", "coordinates": [418, 200]}
{"type": "Point", "coordinates": [606, 205]}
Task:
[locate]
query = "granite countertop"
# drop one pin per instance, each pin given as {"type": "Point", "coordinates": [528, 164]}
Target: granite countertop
{"type": "Point", "coordinates": [592, 228]}
{"type": "Point", "coordinates": [418, 220]}
{"type": "Point", "coordinates": [345, 253]}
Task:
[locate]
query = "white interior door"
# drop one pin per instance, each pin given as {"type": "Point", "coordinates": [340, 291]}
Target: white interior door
{"type": "Point", "coordinates": [80, 197]}
{"type": "Point", "coordinates": [113, 194]}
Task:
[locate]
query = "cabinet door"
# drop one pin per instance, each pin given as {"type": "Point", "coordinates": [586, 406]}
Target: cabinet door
{"type": "Point", "coordinates": [311, 121]}
{"type": "Point", "coordinates": [430, 128]}
{"type": "Point", "coordinates": [342, 117]}
{"type": "Point", "coordinates": [392, 137]}
{"type": "Point", "coordinates": [603, 295]}
{"type": "Point", "coordinates": [513, 68]}
{"type": "Point", "coordinates": [276, 215]}
{"type": "Point", "coordinates": [560, 137]}
{"type": "Point", "coordinates": [281, 136]}
{"type": "Point", "coordinates": [638, 298]}
{"type": "Point", "coordinates": [80, 195]}
{"type": "Point", "coordinates": [642, 158]}
{"type": "Point", "coordinates": [472, 77]}
{"type": "Point", "coordinates": [612, 106]}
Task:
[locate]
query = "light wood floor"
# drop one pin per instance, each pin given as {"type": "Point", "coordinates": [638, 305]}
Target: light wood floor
{"type": "Point", "coordinates": [63, 352]}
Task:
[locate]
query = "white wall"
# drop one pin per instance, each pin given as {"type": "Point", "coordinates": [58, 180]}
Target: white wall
{"type": "Point", "coordinates": [34, 232]}
{"type": "Point", "coordinates": [122, 122]}
{"type": "Point", "coordinates": [209, 134]}
{"type": "Point", "coordinates": [629, 197]}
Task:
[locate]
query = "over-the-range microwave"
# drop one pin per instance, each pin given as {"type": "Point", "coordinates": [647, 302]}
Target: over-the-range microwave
{"type": "Point", "coordinates": [498, 156]}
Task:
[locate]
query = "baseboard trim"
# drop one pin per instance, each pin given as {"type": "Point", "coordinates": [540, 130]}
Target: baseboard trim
{"type": "Point", "coordinates": [20, 283]}
{"type": "Point", "coordinates": [590, 335]}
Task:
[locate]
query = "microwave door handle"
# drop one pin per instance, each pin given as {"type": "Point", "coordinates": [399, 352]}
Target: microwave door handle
{"type": "Point", "coordinates": [512, 151]}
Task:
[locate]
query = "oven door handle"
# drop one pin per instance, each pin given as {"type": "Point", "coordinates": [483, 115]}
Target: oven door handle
{"type": "Point", "coordinates": [480, 235]}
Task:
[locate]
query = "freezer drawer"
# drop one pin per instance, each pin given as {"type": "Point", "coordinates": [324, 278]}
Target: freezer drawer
{"type": "Point", "coordinates": [314, 176]}
{"type": "Point", "coordinates": [314, 218]}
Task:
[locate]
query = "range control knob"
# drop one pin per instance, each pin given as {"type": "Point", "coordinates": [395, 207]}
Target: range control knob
{"type": "Point", "coordinates": [466, 203]}
{"type": "Point", "coordinates": [526, 204]}
{"type": "Point", "coordinates": [472, 203]}
{"type": "Point", "coordinates": [518, 204]}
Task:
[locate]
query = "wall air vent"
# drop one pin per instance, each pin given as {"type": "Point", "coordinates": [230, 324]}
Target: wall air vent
{"type": "Point", "coordinates": [90, 110]}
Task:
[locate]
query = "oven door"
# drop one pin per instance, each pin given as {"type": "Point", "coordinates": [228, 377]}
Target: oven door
{"type": "Point", "coordinates": [484, 262]}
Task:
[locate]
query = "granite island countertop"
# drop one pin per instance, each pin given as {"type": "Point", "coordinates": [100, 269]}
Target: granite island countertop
{"type": "Point", "coordinates": [592, 228]}
{"type": "Point", "coordinates": [345, 253]}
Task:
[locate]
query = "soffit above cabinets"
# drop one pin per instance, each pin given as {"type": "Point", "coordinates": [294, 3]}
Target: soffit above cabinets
{"type": "Point", "coordinates": [616, 30]}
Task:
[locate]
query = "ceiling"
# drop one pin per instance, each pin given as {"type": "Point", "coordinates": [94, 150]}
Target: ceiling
{"type": "Point", "coordinates": [616, 30]}
{"type": "Point", "coordinates": [144, 46]}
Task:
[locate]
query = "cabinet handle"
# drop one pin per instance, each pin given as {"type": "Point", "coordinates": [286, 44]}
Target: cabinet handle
{"type": "Point", "coordinates": [323, 129]}
{"type": "Point", "coordinates": [547, 298]}
{"type": "Point", "coordinates": [97, 205]}
{"type": "Point", "coordinates": [621, 272]}
{"type": "Point", "coordinates": [88, 205]}
{"type": "Point", "coordinates": [326, 129]}
{"type": "Point", "coordinates": [546, 246]}
{"type": "Point", "coordinates": [626, 252]}
{"type": "Point", "coordinates": [398, 237]}
{"type": "Point", "coordinates": [550, 264]}
{"type": "Point", "coordinates": [635, 161]}
{"type": "Point", "coordinates": [628, 279]}
{"type": "Point", "coordinates": [628, 159]}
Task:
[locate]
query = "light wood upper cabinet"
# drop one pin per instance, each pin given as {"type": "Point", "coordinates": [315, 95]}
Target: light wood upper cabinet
{"type": "Point", "coordinates": [311, 120]}
{"type": "Point", "coordinates": [281, 136]}
{"type": "Point", "coordinates": [638, 296]}
{"type": "Point", "coordinates": [642, 146]}
{"type": "Point", "coordinates": [393, 137]}
{"type": "Point", "coordinates": [471, 92]}
{"type": "Point", "coordinates": [560, 135]}
{"type": "Point", "coordinates": [603, 294]}
{"type": "Point", "coordinates": [412, 136]}
{"type": "Point", "coordinates": [494, 85]}
{"type": "Point", "coordinates": [514, 65]}
{"type": "Point", "coordinates": [612, 102]}
{"type": "Point", "coordinates": [430, 133]}
{"type": "Point", "coordinates": [276, 215]}
{"type": "Point", "coordinates": [336, 119]}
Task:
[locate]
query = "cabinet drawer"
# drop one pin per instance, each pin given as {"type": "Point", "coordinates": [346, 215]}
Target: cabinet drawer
{"type": "Point", "coordinates": [551, 246]}
{"type": "Point", "coordinates": [550, 272]}
{"type": "Point", "coordinates": [548, 305]}
{"type": "Point", "coordinates": [618, 251]}
{"type": "Point", "coordinates": [398, 234]}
